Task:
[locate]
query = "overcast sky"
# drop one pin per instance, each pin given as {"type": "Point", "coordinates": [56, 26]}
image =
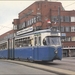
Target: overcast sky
{"type": "Point", "coordinates": [9, 10]}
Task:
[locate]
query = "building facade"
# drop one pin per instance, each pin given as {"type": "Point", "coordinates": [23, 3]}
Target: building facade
{"type": "Point", "coordinates": [7, 35]}
{"type": "Point", "coordinates": [36, 17]}
{"type": "Point", "coordinates": [40, 12]}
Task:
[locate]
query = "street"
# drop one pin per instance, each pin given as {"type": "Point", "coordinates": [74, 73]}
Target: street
{"type": "Point", "coordinates": [12, 68]}
{"type": "Point", "coordinates": [20, 67]}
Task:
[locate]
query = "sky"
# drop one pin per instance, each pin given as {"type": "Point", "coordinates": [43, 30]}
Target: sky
{"type": "Point", "coordinates": [9, 10]}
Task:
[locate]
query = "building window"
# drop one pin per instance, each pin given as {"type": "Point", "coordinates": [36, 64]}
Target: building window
{"type": "Point", "coordinates": [38, 18]}
{"type": "Point", "coordinates": [66, 18]}
{"type": "Point", "coordinates": [73, 38]}
{"type": "Point", "coordinates": [54, 19]}
{"type": "Point", "coordinates": [67, 29]}
{"type": "Point", "coordinates": [20, 26]}
{"type": "Point", "coordinates": [63, 34]}
{"type": "Point", "coordinates": [15, 27]}
{"type": "Point", "coordinates": [73, 29]}
{"type": "Point", "coordinates": [62, 29]}
{"type": "Point", "coordinates": [63, 38]}
{"type": "Point", "coordinates": [34, 19]}
{"type": "Point", "coordinates": [27, 23]}
{"type": "Point", "coordinates": [68, 38]}
{"type": "Point", "coordinates": [56, 27]}
{"type": "Point", "coordinates": [23, 25]}
{"type": "Point", "coordinates": [72, 19]}
{"type": "Point", "coordinates": [30, 22]}
{"type": "Point", "coordinates": [62, 19]}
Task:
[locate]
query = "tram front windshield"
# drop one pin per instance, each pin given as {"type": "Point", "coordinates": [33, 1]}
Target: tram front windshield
{"type": "Point", "coordinates": [53, 40]}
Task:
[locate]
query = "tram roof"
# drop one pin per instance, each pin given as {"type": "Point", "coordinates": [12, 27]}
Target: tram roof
{"type": "Point", "coordinates": [35, 32]}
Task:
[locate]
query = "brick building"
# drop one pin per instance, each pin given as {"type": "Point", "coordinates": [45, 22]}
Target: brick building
{"type": "Point", "coordinates": [7, 35]}
{"type": "Point", "coordinates": [37, 15]}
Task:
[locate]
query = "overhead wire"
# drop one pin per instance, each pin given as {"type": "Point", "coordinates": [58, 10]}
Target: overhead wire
{"type": "Point", "coordinates": [69, 4]}
{"type": "Point", "coordinates": [5, 27]}
{"type": "Point", "coordinates": [66, 5]}
{"type": "Point", "coordinates": [2, 27]}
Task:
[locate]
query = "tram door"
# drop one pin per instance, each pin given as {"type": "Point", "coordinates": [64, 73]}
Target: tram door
{"type": "Point", "coordinates": [10, 48]}
{"type": "Point", "coordinates": [37, 43]}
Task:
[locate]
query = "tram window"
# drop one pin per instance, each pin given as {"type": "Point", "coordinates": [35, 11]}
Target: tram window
{"type": "Point", "coordinates": [23, 42]}
{"type": "Point", "coordinates": [44, 42]}
{"type": "Point", "coordinates": [51, 40]}
{"type": "Point", "coordinates": [39, 40]}
{"type": "Point", "coordinates": [3, 46]}
{"type": "Point", "coordinates": [35, 41]}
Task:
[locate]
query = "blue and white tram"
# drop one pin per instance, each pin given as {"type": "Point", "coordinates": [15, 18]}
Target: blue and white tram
{"type": "Point", "coordinates": [42, 45]}
{"type": "Point", "coordinates": [3, 49]}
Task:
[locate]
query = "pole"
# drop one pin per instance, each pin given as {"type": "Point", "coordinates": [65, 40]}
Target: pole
{"type": "Point", "coordinates": [59, 19]}
{"type": "Point", "coordinates": [50, 18]}
{"type": "Point", "coordinates": [13, 44]}
{"type": "Point", "coordinates": [13, 49]}
{"type": "Point", "coordinates": [8, 50]}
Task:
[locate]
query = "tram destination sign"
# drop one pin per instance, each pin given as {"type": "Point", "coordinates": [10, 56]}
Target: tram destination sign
{"type": "Point", "coordinates": [29, 29]}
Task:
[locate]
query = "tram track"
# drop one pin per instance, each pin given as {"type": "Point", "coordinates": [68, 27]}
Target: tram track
{"type": "Point", "coordinates": [43, 67]}
{"type": "Point", "coordinates": [61, 65]}
{"type": "Point", "coordinates": [68, 64]}
{"type": "Point", "coordinates": [70, 60]}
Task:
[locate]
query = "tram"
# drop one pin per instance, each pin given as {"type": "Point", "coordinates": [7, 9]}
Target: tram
{"type": "Point", "coordinates": [42, 45]}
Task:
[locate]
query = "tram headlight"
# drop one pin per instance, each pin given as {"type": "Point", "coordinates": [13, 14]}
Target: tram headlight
{"type": "Point", "coordinates": [56, 51]}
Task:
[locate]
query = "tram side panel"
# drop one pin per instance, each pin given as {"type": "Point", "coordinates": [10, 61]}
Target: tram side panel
{"type": "Point", "coordinates": [36, 47]}
{"type": "Point", "coordinates": [3, 49]}
{"type": "Point", "coordinates": [23, 53]}
{"type": "Point", "coordinates": [3, 54]}
{"type": "Point", "coordinates": [23, 49]}
{"type": "Point", "coordinates": [6, 49]}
